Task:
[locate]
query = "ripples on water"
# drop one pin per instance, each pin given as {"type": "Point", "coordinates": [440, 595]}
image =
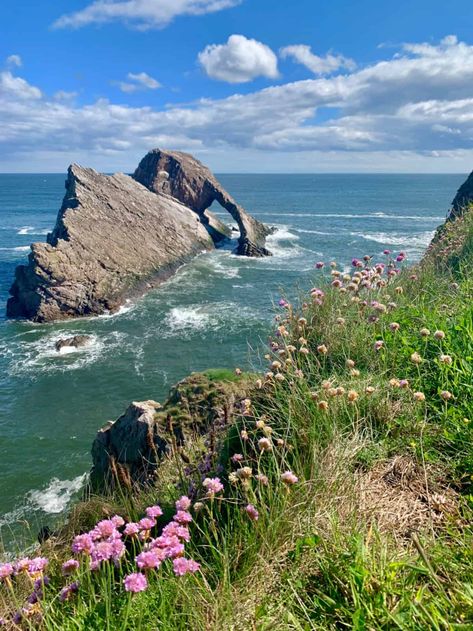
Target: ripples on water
{"type": "Point", "coordinates": [207, 315]}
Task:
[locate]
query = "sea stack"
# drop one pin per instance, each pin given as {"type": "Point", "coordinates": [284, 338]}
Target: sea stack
{"type": "Point", "coordinates": [118, 236]}
{"type": "Point", "coordinates": [191, 183]}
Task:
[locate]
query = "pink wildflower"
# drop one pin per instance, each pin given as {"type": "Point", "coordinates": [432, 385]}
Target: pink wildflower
{"type": "Point", "coordinates": [132, 529]}
{"type": "Point", "coordinates": [83, 543]}
{"type": "Point", "coordinates": [135, 582]}
{"type": "Point", "coordinates": [252, 512]}
{"type": "Point", "coordinates": [213, 486]}
{"type": "Point", "coordinates": [150, 560]}
{"type": "Point", "coordinates": [183, 517]}
{"type": "Point", "coordinates": [236, 458]}
{"type": "Point", "coordinates": [319, 264]}
{"type": "Point", "coordinates": [183, 566]}
{"type": "Point", "coordinates": [153, 512]}
{"type": "Point", "coordinates": [37, 565]}
{"type": "Point", "coordinates": [104, 529]}
{"type": "Point", "coordinates": [289, 478]}
{"type": "Point", "coordinates": [118, 521]}
{"type": "Point", "coordinates": [6, 570]}
{"type": "Point", "coordinates": [147, 523]}
{"type": "Point", "coordinates": [378, 345]}
{"type": "Point", "coordinates": [183, 503]}
{"type": "Point", "coordinates": [70, 566]}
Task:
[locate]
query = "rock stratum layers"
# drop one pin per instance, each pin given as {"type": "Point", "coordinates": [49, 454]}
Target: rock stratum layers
{"type": "Point", "coordinates": [117, 236]}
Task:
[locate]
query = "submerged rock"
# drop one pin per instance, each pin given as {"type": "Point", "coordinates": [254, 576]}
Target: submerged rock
{"type": "Point", "coordinates": [463, 198]}
{"type": "Point", "coordinates": [77, 341]}
{"type": "Point", "coordinates": [189, 181]}
{"type": "Point", "coordinates": [113, 239]}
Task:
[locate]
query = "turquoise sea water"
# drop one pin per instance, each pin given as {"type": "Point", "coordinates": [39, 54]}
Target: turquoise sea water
{"type": "Point", "coordinates": [207, 315]}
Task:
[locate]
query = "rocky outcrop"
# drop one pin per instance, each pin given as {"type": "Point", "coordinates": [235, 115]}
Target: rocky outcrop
{"type": "Point", "coordinates": [189, 181]}
{"type": "Point", "coordinates": [130, 451]}
{"type": "Point", "coordinates": [463, 198]}
{"type": "Point", "coordinates": [113, 239]}
{"type": "Point", "coordinates": [77, 341]}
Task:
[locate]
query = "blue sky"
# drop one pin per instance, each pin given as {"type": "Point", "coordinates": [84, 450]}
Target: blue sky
{"type": "Point", "coordinates": [246, 85]}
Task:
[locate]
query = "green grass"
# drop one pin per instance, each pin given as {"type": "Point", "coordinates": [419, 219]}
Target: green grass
{"type": "Point", "coordinates": [377, 532]}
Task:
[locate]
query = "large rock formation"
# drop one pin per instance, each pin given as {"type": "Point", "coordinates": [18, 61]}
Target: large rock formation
{"type": "Point", "coordinates": [131, 450]}
{"type": "Point", "coordinates": [463, 198]}
{"type": "Point", "coordinates": [189, 181]}
{"type": "Point", "coordinates": [113, 239]}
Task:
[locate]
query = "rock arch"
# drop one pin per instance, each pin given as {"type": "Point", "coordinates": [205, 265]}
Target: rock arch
{"type": "Point", "coordinates": [186, 179]}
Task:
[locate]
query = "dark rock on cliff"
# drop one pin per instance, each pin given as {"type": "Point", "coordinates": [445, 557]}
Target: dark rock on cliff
{"type": "Point", "coordinates": [113, 238]}
{"type": "Point", "coordinates": [463, 198]}
{"type": "Point", "coordinates": [129, 451]}
{"type": "Point", "coordinates": [189, 181]}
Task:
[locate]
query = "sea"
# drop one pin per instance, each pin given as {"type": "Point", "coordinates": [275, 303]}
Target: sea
{"type": "Point", "coordinates": [216, 311]}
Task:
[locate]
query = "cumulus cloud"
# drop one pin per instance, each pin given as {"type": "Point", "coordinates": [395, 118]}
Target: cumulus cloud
{"type": "Point", "coordinates": [138, 81]}
{"type": "Point", "coordinates": [239, 60]}
{"type": "Point", "coordinates": [14, 60]}
{"type": "Point", "coordinates": [318, 65]}
{"type": "Point", "coordinates": [142, 14]}
{"type": "Point", "coordinates": [419, 102]}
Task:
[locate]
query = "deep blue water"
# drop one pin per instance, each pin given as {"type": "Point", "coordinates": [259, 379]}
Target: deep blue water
{"type": "Point", "coordinates": [208, 315]}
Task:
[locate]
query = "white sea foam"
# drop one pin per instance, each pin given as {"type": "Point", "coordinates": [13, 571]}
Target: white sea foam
{"type": "Point", "coordinates": [18, 248]}
{"type": "Point", "coordinates": [125, 308]}
{"type": "Point", "coordinates": [377, 215]}
{"type": "Point", "coordinates": [313, 231]}
{"type": "Point", "coordinates": [40, 355]}
{"type": "Point", "coordinates": [30, 230]}
{"type": "Point", "coordinates": [57, 495]}
{"type": "Point", "coordinates": [414, 241]}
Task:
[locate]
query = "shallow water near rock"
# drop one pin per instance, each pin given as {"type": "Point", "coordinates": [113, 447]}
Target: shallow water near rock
{"type": "Point", "coordinates": [208, 315]}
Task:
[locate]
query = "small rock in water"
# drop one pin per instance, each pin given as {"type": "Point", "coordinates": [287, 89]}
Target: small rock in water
{"type": "Point", "coordinates": [76, 341]}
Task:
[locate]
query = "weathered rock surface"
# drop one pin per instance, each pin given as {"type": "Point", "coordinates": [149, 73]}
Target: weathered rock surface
{"type": "Point", "coordinates": [130, 450]}
{"type": "Point", "coordinates": [113, 238]}
{"type": "Point", "coordinates": [77, 341]}
{"type": "Point", "coordinates": [189, 181]}
{"type": "Point", "coordinates": [463, 198]}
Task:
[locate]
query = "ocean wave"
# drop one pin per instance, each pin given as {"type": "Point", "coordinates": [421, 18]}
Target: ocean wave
{"type": "Point", "coordinates": [56, 496]}
{"type": "Point", "coordinates": [30, 230]}
{"type": "Point", "coordinates": [413, 241]}
{"type": "Point", "coordinates": [190, 319]}
{"type": "Point", "coordinates": [374, 215]}
{"type": "Point", "coordinates": [18, 248]}
{"type": "Point", "coordinates": [40, 355]}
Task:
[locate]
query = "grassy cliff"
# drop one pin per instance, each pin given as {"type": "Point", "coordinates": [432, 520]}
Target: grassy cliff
{"type": "Point", "coordinates": [339, 495]}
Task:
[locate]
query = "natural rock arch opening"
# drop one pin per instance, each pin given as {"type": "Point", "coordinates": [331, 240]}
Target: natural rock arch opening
{"type": "Point", "coordinates": [186, 179]}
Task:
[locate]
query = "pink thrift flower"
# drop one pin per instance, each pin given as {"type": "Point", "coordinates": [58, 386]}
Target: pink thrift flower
{"type": "Point", "coordinates": [83, 543]}
{"type": "Point", "coordinates": [153, 512]}
{"type": "Point", "coordinates": [132, 529]}
{"type": "Point", "coordinates": [22, 565]}
{"type": "Point", "coordinates": [118, 550]}
{"type": "Point", "coordinates": [183, 566]}
{"type": "Point", "coordinates": [289, 478]}
{"type": "Point", "coordinates": [37, 565]}
{"type": "Point", "coordinates": [236, 458]}
{"type": "Point", "coordinates": [147, 523]}
{"type": "Point", "coordinates": [378, 345]}
{"type": "Point", "coordinates": [135, 582]}
{"type": "Point", "coordinates": [70, 566]}
{"type": "Point", "coordinates": [6, 570]}
{"type": "Point", "coordinates": [183, 503]}
{"type": "Point", "coordinates": [68, 591]}
{"type": "Point", "coordinates": [252, 512]}
{"type": "Point", "coordinates": [148, 560]}
{"type": "Point", "coordinates": [118, 521]}
{"type": "Point", "coordinates": [183, 517]}
{"type": "Point", "coordinates": [319, 264]}
{"type": "Point", "coordinates": [104, 528]}
{"type": "Point", "coordinates": [174, 551]}
{"type": "Point", "coordinates": [213, 486]}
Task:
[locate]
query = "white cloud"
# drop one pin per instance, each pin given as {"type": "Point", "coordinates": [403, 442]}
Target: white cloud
{"type": "Point", "coordinates": [138, 81]}
{"type": "Point", "coordinates": [318, 65]}
{"type": "Point", "coordinates": [14, 60]}
{"type": "Point", "coordinates": [417, 105]}
{"type": "Point", "coordinates": [142, 14]}
{"type": "Point", "coordinates": [239, 60]}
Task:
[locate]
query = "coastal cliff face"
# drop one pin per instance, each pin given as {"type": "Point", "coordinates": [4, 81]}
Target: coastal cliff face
{"type": "Point", "coordinates": [190, 182]}
{"type": "Point", "coordinates": [463, 198]}
{"type": "Point", "coordinates": [113, 238]}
